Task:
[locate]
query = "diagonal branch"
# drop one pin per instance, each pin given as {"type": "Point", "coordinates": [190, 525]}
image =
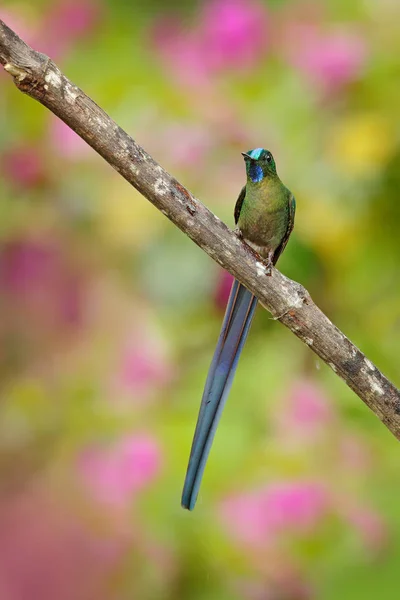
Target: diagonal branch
{"type": "Point", "coordinates": [38, 77]}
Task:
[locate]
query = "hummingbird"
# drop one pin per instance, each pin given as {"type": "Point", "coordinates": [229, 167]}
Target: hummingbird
{"type": "Point", "coordinates": [264, 215]}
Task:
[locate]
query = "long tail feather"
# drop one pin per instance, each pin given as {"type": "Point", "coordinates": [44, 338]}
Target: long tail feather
{"type": "Point", "coordinates": [235, 327]}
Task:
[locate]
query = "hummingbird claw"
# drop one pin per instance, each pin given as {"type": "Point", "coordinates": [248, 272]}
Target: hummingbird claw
{"type": "Point", "coordinates": [238, 233]}
{"type": "Point", "coordinates": [270, 263]}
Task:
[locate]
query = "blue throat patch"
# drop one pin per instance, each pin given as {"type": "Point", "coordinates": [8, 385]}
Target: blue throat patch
{"type": "Point", "coordinates": [255, 173]}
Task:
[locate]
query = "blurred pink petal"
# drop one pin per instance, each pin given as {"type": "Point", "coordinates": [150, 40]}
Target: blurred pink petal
{"type": "Point", "coordinates": [234, 33]}
{"type": "Point", "coordinates": [17, 19]}
{"type": "Point", "coordinates": [116, 474]}
{"type": "Point", "coordinates": [74, 17]}
{"type": "Point", "coordinates": [144, 365]}
{"type": "Point", "coordinates": [66, 142]}
{"type": "Point", "coordinates": [290, 507]}
{"type": "Point", "coordinates": [224, 285]}
{"type": "Point", "coordinates": [191, 144]}
{"type": "Point", "coordinates": [298, 506]}
{"type": "Point", "coordinates": [370, 526]}
{"type": "Point", "coordinates": [27, 264]}
{"type": "Point", "coordinates": [65, 23]}
{"type": "Point", "coordinates": [331, 59]}
{"type": "Point", "coordinates": [46, 554]}
{"type": "Point", "coordinates": [181, 51]}
{"type": "Point", "coordinates": [245, 518]}
{"type": "Point", "coordinates": [37, 275]}
{"type": "Point", "coordinates": [43, 296]}
{"type": "Point", "coordinates": [283, 582]}
{"type": "Point", "coordinates": [229, 34]}
{"type": "Point", "coordinates": [23, 166]}
{"type": "Point", "coordinates": [306, 414]}
{"type": "Point", "coordinates": [355, 454]}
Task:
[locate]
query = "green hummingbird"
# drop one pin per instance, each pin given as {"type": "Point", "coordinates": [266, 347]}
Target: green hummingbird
{"type": "Point", "coordinates": [264, 214]}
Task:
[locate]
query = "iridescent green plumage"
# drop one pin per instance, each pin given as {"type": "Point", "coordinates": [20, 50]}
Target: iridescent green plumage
{"type": "Point", "coordinates": [265, 209]}
{"type": "Point", "coordinates": [264, 213]}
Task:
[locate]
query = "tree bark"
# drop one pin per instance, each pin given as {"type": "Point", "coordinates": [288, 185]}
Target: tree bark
{"type": "Point", "coordinates": [38, 77]}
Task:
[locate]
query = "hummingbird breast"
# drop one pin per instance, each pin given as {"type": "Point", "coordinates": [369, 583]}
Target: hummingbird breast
{"type": "Point", "coordinates": [264, 216]}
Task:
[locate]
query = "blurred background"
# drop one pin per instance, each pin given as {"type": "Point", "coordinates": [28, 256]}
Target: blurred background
{"type": "Point", "coordinates": [109, 315]}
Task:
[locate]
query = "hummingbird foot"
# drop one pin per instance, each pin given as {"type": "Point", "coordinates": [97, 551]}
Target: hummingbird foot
{"type": "Point", "coordinates": [269, 263]}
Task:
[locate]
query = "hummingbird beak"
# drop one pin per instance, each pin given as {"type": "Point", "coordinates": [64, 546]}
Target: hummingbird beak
{"type": "Point", "coordinates": [246, 156]}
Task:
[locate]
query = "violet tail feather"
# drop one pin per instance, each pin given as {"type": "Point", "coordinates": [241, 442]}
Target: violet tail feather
{"type": "Point", "coordinates": [235, 327]}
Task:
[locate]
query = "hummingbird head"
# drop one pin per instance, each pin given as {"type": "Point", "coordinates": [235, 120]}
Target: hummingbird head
{"type": "Point", "coordinates": [259, 164]}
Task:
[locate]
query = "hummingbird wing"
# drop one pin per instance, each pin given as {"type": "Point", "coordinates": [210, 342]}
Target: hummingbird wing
{"type": "Point", "coordinates": [289, 229]}
{"type": "Point", "coordinates": [235, 327]}
{"type": "Point", "coordinates": [239, 203]}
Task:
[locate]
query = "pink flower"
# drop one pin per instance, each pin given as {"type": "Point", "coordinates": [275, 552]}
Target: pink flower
{"type": "Point", "coordinates": [223, 290]}
{"type": "Point", "coordinates": [354, 454]}
{"type": "Point", "coordinates": [234, 33]}
{"type": "Point", "coordinates": [191, 145]}
{"type": "Point", "coordinates": [307, 412]}
{"type": "Point", "coordinates": [370, 526]}
{"type": "Point", "coordinates": [66, 142]}
{"type": "Point", "coordinates": [330, 59]}
{"type": "Point", "coordinates": [23, 165]}
{"type": "Point", "coordinates": [26, 265]}
{"type": "Point", "coordinates": [43, 302]}
{"type": "Point", "coordinates": [246, 519]}
{"type": "Point", "coordinates": [230, 34]}
{"type": "Point", "coordinates": [144, 366]}
{"type": "Point", "coordinates": [74, 17]}
{"type": "Point", "coordinates": [65, 23]}
{"type": "Point", "coordinates": [282, 581]}
{"type": "Point", "coordinates": [45, 553]}
{"type": "Point", "coordinates": [298, 506]}
{"type": "Point", "coordinates": [181, 51]}
{"type": "Point", "coordinates": [116, 474]}
{"type": "Point", "coordinates": [17, 20]}
{"type": "Point", "coordinates": [38, 277]}
{"type": "Point", "coordinates": [289, 507]}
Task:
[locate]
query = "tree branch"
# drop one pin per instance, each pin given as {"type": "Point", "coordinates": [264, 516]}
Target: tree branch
{"type": "Point", "coordinates": [38, 77]}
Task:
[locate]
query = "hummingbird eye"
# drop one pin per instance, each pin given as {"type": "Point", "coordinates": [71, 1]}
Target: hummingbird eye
{"type": "Point", "coordinates": [269, 157]}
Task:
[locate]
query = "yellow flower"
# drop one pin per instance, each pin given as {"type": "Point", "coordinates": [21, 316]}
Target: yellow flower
{"type": "Point", "coordinates": [125, 218]}
{"type": "Point", "coordinates": [361, 143]}
{"type": "Point", "coordinates": [328, 228]}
